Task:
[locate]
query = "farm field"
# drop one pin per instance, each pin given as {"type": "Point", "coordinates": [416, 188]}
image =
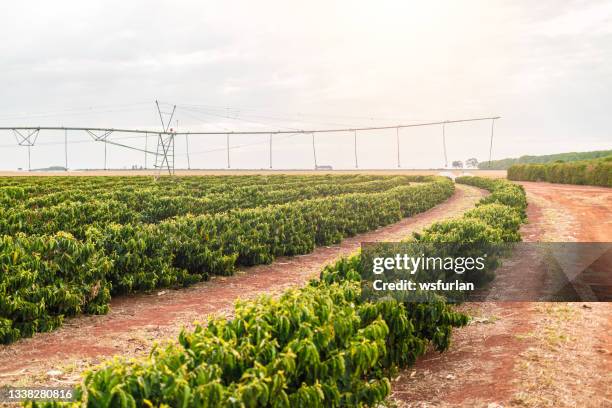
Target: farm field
{"type": "Point", "coordinates": [120, 254]}
{"type": "Point", "coordinates": [135, 322]}
{"type": "Point", "coordinates": [146, 310]}
{"type": "Point", "coordinates": [68, 244]}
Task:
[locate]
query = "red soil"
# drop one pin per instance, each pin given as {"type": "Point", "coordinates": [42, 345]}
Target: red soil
{"type": "Point", "coordinates": [489, 362]}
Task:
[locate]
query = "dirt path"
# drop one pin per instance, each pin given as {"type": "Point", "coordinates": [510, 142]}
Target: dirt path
{"type": "Point", "coordinates": [136, 322]}
{"type": "Point", "coordinates": [524, 353]}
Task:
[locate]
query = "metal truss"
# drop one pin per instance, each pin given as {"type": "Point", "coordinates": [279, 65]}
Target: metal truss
{"type": "Point", "coordinates": [164, 156]}
{"type": "Point", "coordinates": [100, 138]}
{"type": "Point", "coordinates": [165, 152]}
{"type": "Point", "coordinates": [28, 138]}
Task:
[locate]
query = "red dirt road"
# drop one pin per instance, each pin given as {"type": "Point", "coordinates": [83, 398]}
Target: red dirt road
{"type": "Point", "coordinates": [523, 353]}
{"type": "Point", "coordinates": [136, 322]}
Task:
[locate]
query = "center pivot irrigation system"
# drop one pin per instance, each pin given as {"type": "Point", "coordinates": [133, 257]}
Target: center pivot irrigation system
{"type": "Point", "coordinates": [165, 152]}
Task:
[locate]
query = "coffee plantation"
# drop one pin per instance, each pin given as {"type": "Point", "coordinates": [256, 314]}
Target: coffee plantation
{"type": "Point", "coordinates": [321, 345]}
{"type": "Point", "coordinates": [64, 259]}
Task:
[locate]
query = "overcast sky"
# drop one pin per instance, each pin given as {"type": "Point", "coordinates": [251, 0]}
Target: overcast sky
{"type": "Point", "coordinates": [545, 67]}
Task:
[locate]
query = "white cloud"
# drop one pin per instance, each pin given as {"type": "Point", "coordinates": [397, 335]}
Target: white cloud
{"type": "Point", "coordinates": [544, 67]}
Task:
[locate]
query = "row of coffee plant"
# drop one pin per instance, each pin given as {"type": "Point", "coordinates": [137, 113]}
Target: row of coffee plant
{"type": "Point", "coordinates": [37, 192]}
{"type": "Point", "coordinates": [145, 206]}
{"type": "Point", "coordinates": [322, 345]}
{"type": "Point", "coordinates": [496, 220]}
{"type": "Point", "coordinates": [318, 346]}
{"type": "Point", "coordinates": [31, 186]}
{"type": "Point", "coordinates": [140, 196]}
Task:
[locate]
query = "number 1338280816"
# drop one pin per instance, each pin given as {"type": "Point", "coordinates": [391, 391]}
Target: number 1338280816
{"type": "Point", "coordinates": [22, 394]}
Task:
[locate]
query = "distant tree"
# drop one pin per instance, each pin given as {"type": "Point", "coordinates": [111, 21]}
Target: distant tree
{"type": "Point", "coordinates": [550, 158]}
{"type": "Point", "coordinates": [473, 162]}
{"type": "Point", "coordinates": [457, 164]}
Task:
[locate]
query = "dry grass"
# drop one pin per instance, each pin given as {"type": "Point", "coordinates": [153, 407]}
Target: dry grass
{"type": "Point", "coordinates": [563, 365]}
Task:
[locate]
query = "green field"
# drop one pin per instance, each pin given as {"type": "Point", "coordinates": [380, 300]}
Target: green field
{"type": "Point", "coordinates": [69, 244]}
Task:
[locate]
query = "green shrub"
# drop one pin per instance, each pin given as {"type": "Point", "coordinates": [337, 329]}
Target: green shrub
{"type": "Point", "coordinates": [591, 172]}
{"type": "Point", "coordinates": [502, 217]}
{"type": "Point", "coordinates": [502, 192]}
{"type": "Point", "coordinates": [44, 278]}
{"type": "Point", "coordinates": [496, 219]}
{"type": "Point", "coordinates": [314, 346]}
{"type": "Point", "coordinates": [550, 158]}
